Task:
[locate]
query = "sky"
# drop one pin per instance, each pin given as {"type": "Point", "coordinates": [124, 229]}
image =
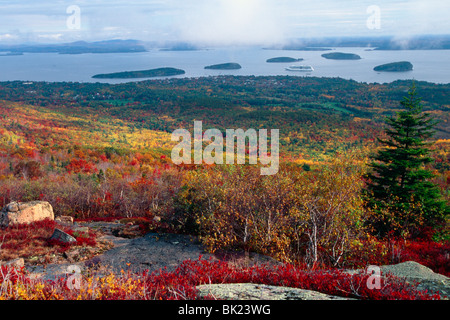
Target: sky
{"type": "Point", "coordinates": [221, 22]}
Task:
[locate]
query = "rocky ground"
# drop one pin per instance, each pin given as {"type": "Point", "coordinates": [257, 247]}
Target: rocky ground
{"type": "Point", "coordinates": [125, 248]}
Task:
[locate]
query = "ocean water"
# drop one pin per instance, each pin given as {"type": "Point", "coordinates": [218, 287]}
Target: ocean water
{"type": "Point", "coordinates": [429, 65]}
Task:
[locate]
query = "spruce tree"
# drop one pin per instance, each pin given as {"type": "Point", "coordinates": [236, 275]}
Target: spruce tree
{"type": "Point", "coordinates": [403, 200]}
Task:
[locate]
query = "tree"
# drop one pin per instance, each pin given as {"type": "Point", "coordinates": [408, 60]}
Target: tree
{"type": "Point", "coordinates": [28, 170]}
{"type": "Point", "coordinates": [399, 191]}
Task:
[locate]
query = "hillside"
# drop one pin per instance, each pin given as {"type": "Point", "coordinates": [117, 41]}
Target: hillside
{"type": "Point", "coordinates": [310, 113]}
{"type": "Point", "coordinates": [101, 154]}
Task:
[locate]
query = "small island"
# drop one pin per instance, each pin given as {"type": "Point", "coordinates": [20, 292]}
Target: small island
{"type": "Point", "coordinates": [341, 56]}
{"type": "Point", "coordinates": [160, 72]}
{"type": "Point", "coordinates": [225, 66]}
{"type": "Point", "coordinates": [283, 60]}
{"type": "Point", "coordinates": [401, 66]}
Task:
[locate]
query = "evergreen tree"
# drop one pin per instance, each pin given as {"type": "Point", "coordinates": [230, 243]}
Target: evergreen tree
{"type": "Point", "coordinates": [403, 200]}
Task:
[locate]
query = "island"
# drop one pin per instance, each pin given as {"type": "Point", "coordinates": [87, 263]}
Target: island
{"type": "Point", "coordinates": [283, 59]}
{"type": "Point", "coordinates": [341, 56]}
{"type": "Point", "coordinates": [159, 72]}
{"type": "Point", "coordinates": [225, 66]}
{"type": "Point", "coordinates": [401, 66]}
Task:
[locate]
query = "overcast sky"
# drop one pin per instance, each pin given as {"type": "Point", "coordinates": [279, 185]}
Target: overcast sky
{"type": "Point", "coordinates": [217, 21]}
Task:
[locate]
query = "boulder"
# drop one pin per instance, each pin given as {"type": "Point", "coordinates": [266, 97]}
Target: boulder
{"type": "Point", "coordinates": [251, 291]}
{"type": "Point", "coordinates": [25, 212]}
{"type": "Point", "coordinates": [62, 236]}
{"type": "Point", "coordinates": [414, 271]}
{"type": "Point", "coordinates": [420, 276]}
{"type": "Point", "coordinates": [15, 263]}
{"type": "Point", "coordinates": [65, 220]}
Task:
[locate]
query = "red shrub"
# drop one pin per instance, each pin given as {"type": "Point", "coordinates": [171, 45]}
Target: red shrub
{"type": "Point", "coordinates": [181, 282]}
{"type": "Point", "coordinates": [80, 165]}
{"type": "Point", "coordinates": [83, 239]}
{"type": "Point", "coordinates": [433, 255]}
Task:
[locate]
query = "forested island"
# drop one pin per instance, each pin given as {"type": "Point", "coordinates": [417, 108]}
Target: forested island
{"type": "Point", "coordinates": [225, 66]}
{"type": "Point", "coordinates": [395, 67]}
{"type": "Point", "coordinates": [341, 56]}
{"type": "Point", "coordinates": [159, 72]}
{"type": "Point", "coordinates": [283, 59]}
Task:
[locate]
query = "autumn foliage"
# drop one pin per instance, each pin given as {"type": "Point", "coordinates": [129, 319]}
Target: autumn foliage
{"type": "Point", "coordinates": [180, 283]}
{"type": "Point", "coordinates": [105, 155]}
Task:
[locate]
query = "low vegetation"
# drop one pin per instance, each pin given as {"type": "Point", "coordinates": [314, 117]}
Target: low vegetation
{"type": "Point", "coordinates": [180, 284]}
{"type": "Point", "coordinates": [98, 152]}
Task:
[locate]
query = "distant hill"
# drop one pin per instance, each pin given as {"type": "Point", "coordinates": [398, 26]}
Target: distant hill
{"type": "Point", "coordinates": [303, 48]}
{"type": "Point", "coordinates": [160, 72]}
{"type": "Point", "coordinates": [341, 56]}
{"type": "Point", "coordinates": [419, 42]}
{"type": "Point", "coordinates": [181, 47]}
{"type": "Point", "coordinates": [79, 47]}
{"type": "Point", "coordinates": [395, 67]}
{"type": "Point", "coordinates": [283, 59]}
{"type": "Point", "coordinates": [225, 66]}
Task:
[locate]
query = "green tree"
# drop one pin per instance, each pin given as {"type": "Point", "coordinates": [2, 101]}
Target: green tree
{"type": "Point", "coordinates": [403, 200]}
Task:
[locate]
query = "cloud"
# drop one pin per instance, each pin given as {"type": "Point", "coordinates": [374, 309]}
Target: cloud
{"type": "Point", "coordinates": [233, 22]}
{"type": "Point", "coordinates": [8, 37]}
{"type": "Point", "coordinates": [218, 21]}
{"type": "Point", "coordinates": [51, 36]}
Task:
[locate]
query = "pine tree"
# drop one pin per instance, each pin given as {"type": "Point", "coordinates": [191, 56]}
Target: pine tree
{"type": "Point", "coordinates": [403, 200]}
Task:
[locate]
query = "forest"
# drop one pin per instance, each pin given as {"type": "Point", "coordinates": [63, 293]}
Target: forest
{"type": "Point", "coordinates": [102, 151]}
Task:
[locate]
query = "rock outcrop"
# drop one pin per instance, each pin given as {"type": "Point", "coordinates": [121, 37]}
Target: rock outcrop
{"type": "Point", "coordinates": [425, 279]}
{"type": "Point", "coordinates": [25, 212]}
{"type": "Point", "coordinates": [61, 236]}
{"type": "Point", "coordinates": [15, 263]}
{"type": "Point", "coordinates": [251, 291]}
